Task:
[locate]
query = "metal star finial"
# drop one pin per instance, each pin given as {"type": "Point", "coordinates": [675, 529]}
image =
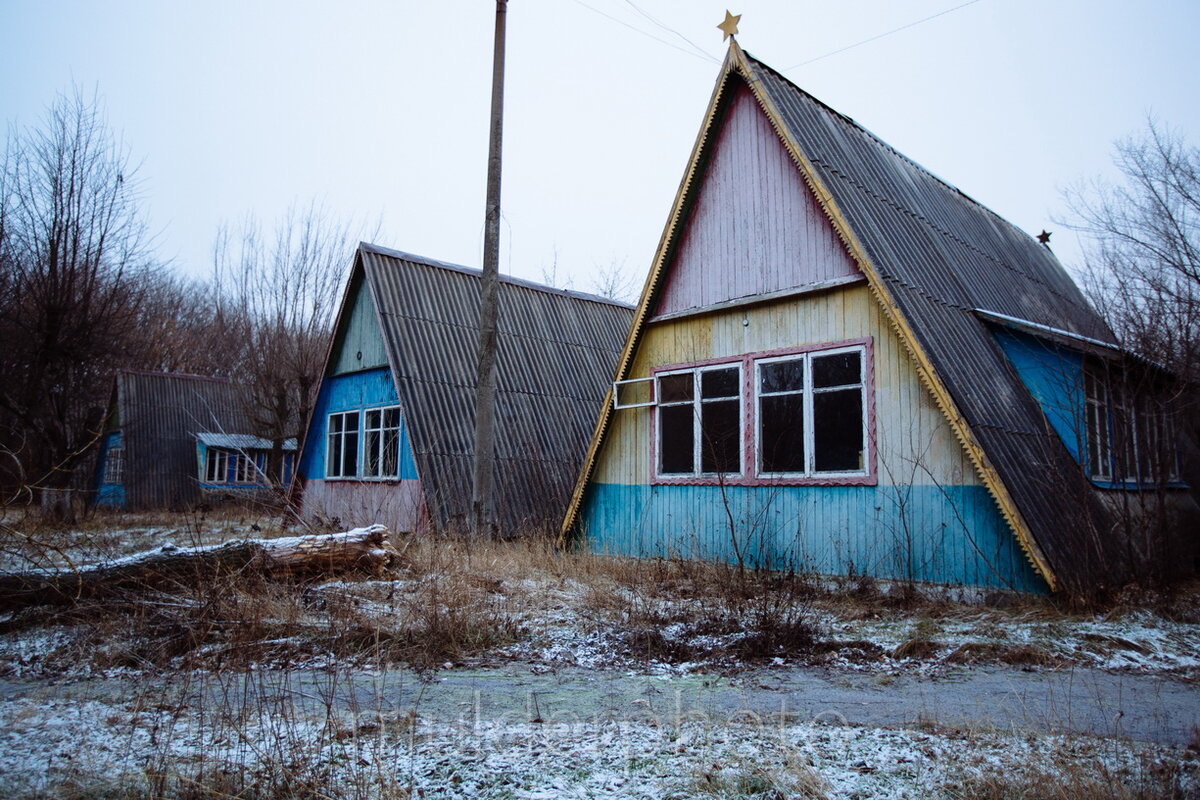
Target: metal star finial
{"type": "Point", "coordinates": [1044, 237]}
{"type": "Point", "coordinates": [729, 26]}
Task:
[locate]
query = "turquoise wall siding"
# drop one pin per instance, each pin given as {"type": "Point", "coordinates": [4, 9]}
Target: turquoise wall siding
{"type": "Point", "coordinates": [942, 534]}
{"type": "Point", "coordinates": [357, 390]}
{"type": "Point", "coordinates": [360, 345]}
{"type": "Point", "coordinates": [108, 495]}
{"type": "Point", "coordinates": [1054, 376]}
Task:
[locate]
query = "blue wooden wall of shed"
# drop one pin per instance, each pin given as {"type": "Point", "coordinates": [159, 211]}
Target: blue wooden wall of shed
{"type": "Point", "coordinates": [108, 495]}
{"type": "Point", "coordinates": [360, 345]}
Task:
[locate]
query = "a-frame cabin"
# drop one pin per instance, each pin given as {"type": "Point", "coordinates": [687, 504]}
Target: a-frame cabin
{"type": "Point", "coordinates": [842, 364]}
{"type": "Point", "coordinates": [391, 435]}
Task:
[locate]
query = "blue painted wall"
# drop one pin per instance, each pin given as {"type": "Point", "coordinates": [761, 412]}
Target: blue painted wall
{"type": "Point", "coordinates": [356, 390]}
{"type": "Point", "coordinates": [942, 534]}
{"type": "Point", "coordinates": [1054, 376]}
{"type": "Point", "coordinates": [109, 495]}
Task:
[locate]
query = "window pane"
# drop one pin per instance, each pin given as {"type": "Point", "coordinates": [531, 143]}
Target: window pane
{"type": "Point", "coordinates": [371, 451]}
{"type": "Point", "coordinates": [391, 452]}
{"type": "Point", "coordinates": [838, 431]}
{"type": "Point", "coordinates": [781, 433]}
{"type": "Point", "coordinates": [372, 420]}
{"type": "Point", "coordinates": [781, 376]}
{"type": "Point", "coordinates": [719, 383]}
{"type": "Point", "coordinates": [391, 417]}
{"type": "Point", "coordinates": [720, 436]}
{"type": "Point", "coordinates": [840, 369]}
{"type": "Point", "coordinates": [675, 388]}
{"type": "Point", "coordinates": [350, 451]}
{"type": "Point", "coordinates": [675, 439]}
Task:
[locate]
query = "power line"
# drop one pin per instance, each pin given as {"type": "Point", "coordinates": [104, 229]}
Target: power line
{"type": "Point", "coordinates": [646, 34]}
{"type": "Point", "coordinates": [669, 29]}
{"type": "Point", "coordinates": [879, 36]}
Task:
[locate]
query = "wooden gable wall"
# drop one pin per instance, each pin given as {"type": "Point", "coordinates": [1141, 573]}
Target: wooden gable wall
{"type": "Point", "coordinates": [754, 228]}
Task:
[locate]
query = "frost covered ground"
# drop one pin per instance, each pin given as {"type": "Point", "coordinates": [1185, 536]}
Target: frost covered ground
{"type": "Point", "coordinates": [196, 690]}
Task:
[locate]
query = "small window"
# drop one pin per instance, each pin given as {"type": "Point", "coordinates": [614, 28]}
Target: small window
{"type": "Point", "coordinates": [216, 467]}
{"type": "Point", "coordinates": [699, 421]}
{"type": "Point", "coordinates": [341, 455]}
{"type": "Point", "coordinates": [114, 465]}
{"type": "Point", "coordinates": [381, 442]}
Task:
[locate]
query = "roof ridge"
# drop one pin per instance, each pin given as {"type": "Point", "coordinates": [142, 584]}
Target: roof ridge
{"type": "Point", "coordinates": [149, 373]}
{"type": "Point", "coordinates": [475, 272]}
{"type": "Point", "coordinates": [885, 145]}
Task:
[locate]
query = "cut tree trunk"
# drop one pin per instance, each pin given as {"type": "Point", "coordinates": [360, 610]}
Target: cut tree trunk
{"type": "Point", "coordinates": [293, 558]}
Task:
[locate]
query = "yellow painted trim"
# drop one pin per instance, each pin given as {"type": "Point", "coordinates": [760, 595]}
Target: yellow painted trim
{"type": "Point", "coordinates": [649, 292]}
{"type": "Point", "coordinates": [926, 372]}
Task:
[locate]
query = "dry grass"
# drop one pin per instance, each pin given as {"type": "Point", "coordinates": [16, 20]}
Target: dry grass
{"type": "Point", "coordinates": [1091, 780]}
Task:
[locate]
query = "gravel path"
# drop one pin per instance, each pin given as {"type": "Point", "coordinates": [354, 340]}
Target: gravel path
{"type": "Point", "coordinates": [1144, 708]}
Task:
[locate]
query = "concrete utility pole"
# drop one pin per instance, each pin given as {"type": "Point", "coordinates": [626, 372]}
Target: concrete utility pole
{"type": "Point", "coordinates": [483, 507]}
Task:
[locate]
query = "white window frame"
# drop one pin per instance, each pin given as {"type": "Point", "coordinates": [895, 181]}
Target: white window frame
{"type": "Point", "coordinates": [367, 430]}
{"type": "Point", "coordinates": [696, 403]}
{"type": "Point", "coordinates": [809, 392]}
{"type": "Point", "coordinates": [213, 457]}
{"type": "Point", "coordinates": [343, 434]}
{"type": "Point", "coordinates": [245, 469]}
{"type": "Point", "coordinates": [616, 392]}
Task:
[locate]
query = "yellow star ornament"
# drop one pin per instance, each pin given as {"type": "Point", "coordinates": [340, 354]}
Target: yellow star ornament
{"type": "Point", "coordinates": [729, 26]}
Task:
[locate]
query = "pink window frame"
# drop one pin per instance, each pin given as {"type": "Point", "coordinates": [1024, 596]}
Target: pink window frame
{"type": "Point", "coordinates": [749, 474]}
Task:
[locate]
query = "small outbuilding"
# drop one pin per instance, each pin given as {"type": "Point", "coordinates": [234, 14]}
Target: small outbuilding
{"type": "Point", "coordinates": [391, 437]}
{"type": "Point", "coordinates": [842, 364]}
{"type": "Point", "coordinates": [172, 441]}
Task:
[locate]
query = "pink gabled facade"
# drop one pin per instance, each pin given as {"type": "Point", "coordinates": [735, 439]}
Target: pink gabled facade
{"type": "Point", "coordinates": [755, 228]}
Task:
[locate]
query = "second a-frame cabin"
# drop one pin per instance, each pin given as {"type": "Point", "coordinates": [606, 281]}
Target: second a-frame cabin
{"type": "Point", "coordinates": [842, 364]}
{"type": "Point", "coordinates": [391, 435]}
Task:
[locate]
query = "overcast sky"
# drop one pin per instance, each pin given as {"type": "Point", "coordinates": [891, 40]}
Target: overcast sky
{"type": "Point", "coordinates": [380, 109]}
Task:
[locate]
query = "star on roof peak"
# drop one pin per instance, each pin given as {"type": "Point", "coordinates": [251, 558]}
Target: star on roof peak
{"type": "Point", "coordinates": [730, 26]}
{"type": "Point", "coordinates": [1044, 237]}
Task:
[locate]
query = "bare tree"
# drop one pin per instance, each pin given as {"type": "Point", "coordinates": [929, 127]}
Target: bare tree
{"type": "Point", "coordinates": [73, 254]}
{"type": "Point", "coordinates": [277, 294]}
{"type": "Point", "coordinates": [1143, 273]}
{"type": "Point", "coordinates": [1143, 263]}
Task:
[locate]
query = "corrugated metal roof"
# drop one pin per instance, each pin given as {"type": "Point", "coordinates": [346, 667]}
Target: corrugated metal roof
{"type": "Point", "coordinates": [159, 416]}
{"type": "Point", "coordinates": [558, 350]}
{"type": "Point", "coordinates": [241, 441]}
{"type": "Point", "coordinates": [941, 255]}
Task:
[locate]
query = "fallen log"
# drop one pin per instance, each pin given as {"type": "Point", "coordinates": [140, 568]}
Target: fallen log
{"type": "Point", "coordinates": [362, 550]}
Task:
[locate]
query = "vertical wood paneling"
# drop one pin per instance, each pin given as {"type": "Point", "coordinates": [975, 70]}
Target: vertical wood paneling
{"type": "Point", "coordinates": [929, 517]}
{"type": "Point", "coordinates": [755, 226]}
{"type": "Point", "coordinates": [360, 345]}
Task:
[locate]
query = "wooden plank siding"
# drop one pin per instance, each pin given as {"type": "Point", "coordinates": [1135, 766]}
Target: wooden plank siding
{"type": "Point", "coordinates": [360, 345]}
{"type": "Point", "coordinates": [928, 517]}
{"type": "Point", "coordinates": [755, 228]}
